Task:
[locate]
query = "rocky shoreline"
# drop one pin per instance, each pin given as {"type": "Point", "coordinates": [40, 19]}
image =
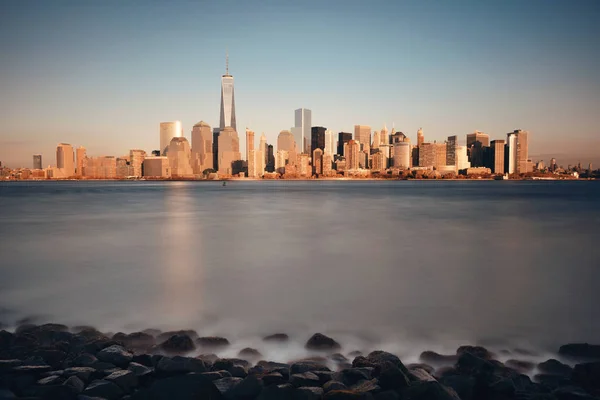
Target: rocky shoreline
{"type": "Point", "coordinates": [53, 361]}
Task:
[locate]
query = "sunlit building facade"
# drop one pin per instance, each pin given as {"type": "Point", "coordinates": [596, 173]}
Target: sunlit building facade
{"type": "Point", "coordinates": [65, 162]}
{"type": "Point", "coordinates": [229, 151]}
{"type": "Point", "coordinates": [168, 131]}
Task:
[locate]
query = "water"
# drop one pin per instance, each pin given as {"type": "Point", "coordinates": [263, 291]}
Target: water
{"type": "Point", "coordinates": [404, 265]}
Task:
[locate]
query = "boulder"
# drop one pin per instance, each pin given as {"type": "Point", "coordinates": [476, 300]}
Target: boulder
{"type": "Point", "coordinates": [338, 358]}
{"type": "Point", "coordinates": [308, 393]}
{"type": "Point", "coordinates": [249, 353]}
{"type": "Point", "coordinates": [273, 378]}
{"type": "Point", "coordinates": [346, 395]}
{"type": "Point", "coordinates": [366, 386]}
{"type": "Point", "coordinates": [51, 380]}
{"type": "Point", "coordinates": [277, 337]}
{"type": "Point", "coordinates": [214, 375]}
{"type": "Point", "coordinates": [125, 379]}
{"type": "Point", "coordinates": [305, 379]}
{"type": "Point", "coordinates": [391, 376]}
{"type": "Point", "coordinates": [238, 371]}
{"type": "Point", "coordinates": [355, 353]}
{"type": "Point", "coordinates": [226, 384]}
{"type": "Point", "coordinates": [178, 344]}
{"type": "Point", "coordinates": [431, 357]}
{"type": "Point", "coordinates": [424, 367]}
{"type": "Point", "coordinates": [103, 389]}
{"type": "Point", "coordinates": [554, 367]}
{"type": "Point", "coordinates": [271, 365]}
{"type": "Point", "coordinates": [192, 334]}
{"type": "Point", "coordinates": [180, 365]}
{"type": "Point", "coordinates": [334, 385]}
{"type": "Point", "coordinates": [183, 387]}
{"type": "Point", "coordinates": [324, 376]}
{"type": "Point", "coordinates": [420, 375]}
{"type": "Point", "coordinates": [116, 355]}
{"type": "Point", "coordinates": [387, 395]}
{"type": "Point", "coordinates": [277, 392]}
{"type": "Point", "coordinates": [307, 366]}
{"type": "Point", "coordinates": [429, 391]}
{"type": "Point", "coordinates": [477, 351]}
{"type": "Point", "coordinates": [351, 376]}
{"type": "Point", "coordinates": [76, 384]}
{"type": "Point", "coordinates": [139, 370]}
{"type": "Point", "coordinates": [83, 373]}
{"type": "Point", "coordinates": [136, 340]}
{"type": "Point", "coordinates": [523, 367]}
{"type": "Point", "coordinates": [580, 351]}
{"type": "Point", "coordinates": [379, 357]}
{"type": "Point", "coordinates": [143, 359]}
{"type": "Point", "coordinates": [212, 342]}
{"type": "Point", "coordinates": [319, 341]}
{"type": "Point", "coordinates": [463, 385]}
{"type": "Point", "coordinates": [209, 359]}
{"type": "Point", "coordinates": [248, 389]}
{"type": "Point", "coordinates": [84, 360]}
{"type": "Point", "coordinates": [587, 375]}
{"type": "Point", "coordinates": [6, 340]}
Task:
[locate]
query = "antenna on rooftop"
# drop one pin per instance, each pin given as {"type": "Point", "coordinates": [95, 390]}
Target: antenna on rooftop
{"type": "Point", "coordinates": [226, 62]}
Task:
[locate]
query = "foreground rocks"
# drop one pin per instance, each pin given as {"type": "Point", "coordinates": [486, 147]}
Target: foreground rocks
{"type": "Point", "coordinates": [54, 362]}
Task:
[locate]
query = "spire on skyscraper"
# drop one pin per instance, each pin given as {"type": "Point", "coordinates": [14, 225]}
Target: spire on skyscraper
{"type": "Point", "coordinates": [227, 63]}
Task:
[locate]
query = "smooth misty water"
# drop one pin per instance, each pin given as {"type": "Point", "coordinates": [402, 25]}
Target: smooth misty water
{"type": "Point", "coordinates": [406, 266]}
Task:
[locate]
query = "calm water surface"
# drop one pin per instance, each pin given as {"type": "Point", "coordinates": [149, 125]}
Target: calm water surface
{"type": "Point", "coordinates": [406, 266]}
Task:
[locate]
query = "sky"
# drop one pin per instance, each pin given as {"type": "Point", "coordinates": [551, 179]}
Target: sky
{"type": "Point", "coordinates": [104, 74]}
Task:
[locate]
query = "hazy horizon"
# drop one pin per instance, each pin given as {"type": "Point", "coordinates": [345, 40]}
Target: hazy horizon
{"type": "Point", "coordinates": [105, 74]}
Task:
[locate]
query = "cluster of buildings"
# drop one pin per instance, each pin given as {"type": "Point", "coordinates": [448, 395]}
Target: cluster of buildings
{"type": "Point", "coordinates": [302, 151]}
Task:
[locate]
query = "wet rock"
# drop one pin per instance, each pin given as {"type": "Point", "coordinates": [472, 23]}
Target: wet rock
{"type": "Point", "coordinates": [116, 355]}
{"type": "Point", "coordinates": [125, 379]}
{"type": "Point", "coordinates": [214, 375]}
{"type": "Point", "coordinates": [6, 394]}
{"type": "Point", "coordinates": [139, 370]}
{"type": "Point", "coordinates": [238, 371]}
{"type": "Point", "coordinates": [346, 395]}
{"type": "Point", "coordinates": [8, 365]}
{"type": "Point", "coordinates": [103, 366]}
{"type": "Point", "coordinates": [6, 340]}
{"type": "Point", "coordinates": [83, 373]}
{"type": "Point", "coordinates": [84, 360]}
{"type": "Point", "coordinates": [180, 365]}
{"type": "Point", "coordinates": [136, 340]}
{"type": "Point", "coordinates": [144, 359]}
{"type": "Point", "coordinates": [379, 357]}
{"type": "Point", "coordinates": [429, 391]}
{"type": "Point", "coordinates": [554, 367]}
{"type": "Point", "coordinates": [51, 356]}
{"type": "Point", "coordinates": [212, 342]}
{"type": "Point", "coordinates": [367, 386]}
{"type": "Point", "coordinates": [249, 388]}
{"type": "Point", "coordinates": [522, 367]}
{"type": "Point", "coordinates": [183, 387]}
{"type": "Point", "coordinates": [192, 334]}
{"type": "Point", "coordinates": [318, 341]}
{"type": "Point", "coordinates": [103, 389]}
{"type": "Point", "coordinates": [178, 344]}
{"type": "Point", "coordinates": [249, 353]}
{"type": "Point", "coordinates": [351, 376]}
{"type": "Point", "coordinates": [51, 380]}
{"type": "Point", "coordinates": [387, 395]}
{"type": "Point", "coordinates": [273, 378]}
{"type": "Point", "coordinates": [580, 351]}
{"type": "Point", "coordinates": [226, 384]}
{"type": "Point", "coordinates": [420, 375]}
{"type": "Point", "coordinates": [477, 351]}
{"type": "Point", "coordinates": [76, 384]}
{"type": "Point", "coordinates": [34, 370]}
{"type": "Point", "coordinates": [308, 393]}
{"type": "Point", "coordinates": [551, 382]}
{"type": "Point", "coordinates": [324, 376]}
{"type": "Point", "coordinates": [587, 375]}
{"type": "Point", "coordinates": [277, 337]}
{"type": "Point", "coordinates": [208, 359]}
{"type": "Point", "coordinates": [425, 367]}
{"type": "Point", "coordinates": [431, 357]}
{"type": "Point", "coordinates": [571, 393]}
{"type": "Point", "coordinates": [463, 385]}
{"type": "Point", "coordinates": [271, 365]}
{"type": "Point", "coordinates": [338, 358]}
{"type": "Point", "coordinates": [277, 392]}
{"type": "Point", "coordinates": [391, 376]}
{"type": "Point", "coordinates": [334, 385]}
{"type": "Point", "coordinates": [304, 379]}
{"type": "Point", "coordinates": [307, 366]}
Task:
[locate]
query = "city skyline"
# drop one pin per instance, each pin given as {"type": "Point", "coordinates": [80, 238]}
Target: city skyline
{"type": "Point", "coordinates": [544, 84]}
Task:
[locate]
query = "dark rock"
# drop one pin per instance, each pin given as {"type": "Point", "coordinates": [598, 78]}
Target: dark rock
{"type": "Point", "coordinates": [208, 359]}
{"type": "Point", "coordinates": [136, 340]}
{"type": "Point", "coordinates": [387, 395]}
{"type": "Point", "coordinates": [431, 357]}
{"type": "Point", "coordinates": [35, 370]}
{"type": "Point", "coordinates": [304, 379]}
{"type": "Point", "coordinates": [368, 386]}
{"type": "Point", "coordinates": [8, 365]}
{"type": "Point", "coordinates": [84, 360]}
{"type": "Point", "coordinates": [248, 389]}
{"type": "Point", "coordinates": [51, 392]}
{"type": "Point", "coordinates": [429, 391]}
{"type": "Point", "coordinates": [214, 375]}
{"type": "Point", "coordinates": [116, 355]}
{"type": "Point", "coordinates": [463, 385]}
{"type": "Point", "coordinates": [324, 376]}
{"type": "Point", "coordinates": [277, 337]}
{"type": "Point", "coordinates": [183, 387]}
{"type": "Point", "coordinates": [51, 380]}
{"type": "Point", "coordinates": [238, 371]}
{"type": "Point", "coordinates": [318, 341]}
{"type": "Point", "coordinates": [180, 365]}
{"type": "Point", "coordinates": [338, 358]}
{"type": "Point", "coordinates": [522, 367]}
{"type": "Point", "coordinates": [6, 339]}
{"type": "Point", "coordinates": [271, 365]}
{"type": "Point", "coordinates": [125, 379]}
{"type": "Point", "coordinates": [420, 375]}
{"type": "Point", "coordinates": [477, 351]}
{"type": "Point", "coordinates": [424, 367]}
{"type": "Point", "coordinates": [192, 334]}
{"type": "Point", "coordinates": [143, 359]}
{"type": "Point", "coordinates": [277, 392]}
{"type": "Point", "coordinates": [308, 393]}
{"type": "Point", "coordinates": [551, 382]}
{"type": "Point", "coordinates": [351, 376]}
{"type": "Point", "coordinates": [355, 353]}
{"type": "Point", "coordinates": [139, 370]}
{"type": "Point", "coordinates": [525, 352]}
{"type": "Point", "coordinates": [554, 367]}
{"type": "Point", "coordinates": [76, 384]}
{"type": "Point", "coordinates": [346, 395]}
{"type": "Point", "coordinates": [334, 385]}
{"type": "Point", "coordinates": [249, 353]}
{"type": "Point", "coordinates": [580, 351]}
{"type": "Point", "coordinates": [226, 384]}
{"type": "Point", "coordinates": [571, 393]}
{"type": "Point", "coordinates": [104, 389]}
{"type": "Point", "coordinates": [51, 356]}
{"type": "Point", "coordinates": [307, 366]}
{"type": "Point", "coordinates": [83, 373]}
{"type": "Point", "coordinates": [6, 394]}
{"type": "Point", "coordinates": [273, 378]}
{"type": "Point", "coordinates": [212, 342]}
{"type": "Point", "coordinates": [179, 343]}
{"type": "Point", "coordinates": [587, 375]}
{"type": "Point", "coordinates": [234, 361]}
{"type": "Point", "coordinates": [391, 376]}
{"type": "Point", "coordinates": [468, 363]}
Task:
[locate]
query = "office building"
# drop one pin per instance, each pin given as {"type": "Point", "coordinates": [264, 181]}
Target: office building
{"type": "Point", "coordinates": [262, 146]}
{"type": "Point", "coordinates": [80, 161]}
{"type": "Point", "coordinates": [451, 144]}
{"type": "Point", "coordinates": [281, 161]}
{"type": "Point", "coordinates": [136, 161]}
{"type": "Point", "coordinates": [229, 151]}
{"type": "Point", "coordinates": [252, 168]}
{"type": "Point", "coordinates": [517, 152]}
{"type": "Point", "coordinates": [384, 137]}
{"type": "Point", "coordinates": [270, 159]}
{"type": "Point", "coordinates": [329, 142]}
{"type": "Point", "coordinates": [327, 164]}
{"type": "Point", "coordinates": [420, 137]}
{"type": "Point", "coordinates": [317, 136]}
{"type": "Point", "coordinates": [477, 142]}
{"type": "Point", "coordinates": [65, 162]}
{"type": "Point", "coordinates": [304, 168]}
{"type": "Point", "coordinates": [496, 152]}
{"type": "Point", "coordinates": [227, 100]}
{"type": "Point", "coordinates": [287, 143]}
{"type": "Point", "coordinates": [301, 129]}
{"type": "Point", "coordinates": [402, 153]}
{"type": "Point", "coordinates": [343, 138]}
{"type": "Point", "coordinates": [376, 141]}
{"type": "Point", "coordinates": [352, 154]}
{"type": "Point", "coordinates": [362, 134]}
{"type": "Point", "coordinates": [122, 167]}
{"type": "Point", "coordinates": [156, 167]}
{"type": "Point", "coordinates": [103, 167]}
{"type": "Point", "coordinates": [317, 161]}
{"type": "Point", "coordinates": [169, 130]}
{"type": "Point", "coordinates": [249, 142]}
{"type": "Point", "coordinates": [462, 159]}
{"type": "Point", "coordinates": [378, 163]}
{"type": "Point", "coordinates": [432, 155]}
{"type": "Point", "coordinates": [179, 154]}
{"type": "Point", "coordinates": [202, 148]}
{"type": "Point", "coordinates": [37, 161]}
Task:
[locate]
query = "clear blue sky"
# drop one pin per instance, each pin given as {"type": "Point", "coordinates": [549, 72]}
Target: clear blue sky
{"type": "Point", "coordinates": [104, 74]}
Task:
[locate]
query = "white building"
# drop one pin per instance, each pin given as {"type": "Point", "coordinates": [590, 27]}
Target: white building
{"type": "Point", "coordinates": [168, 131]}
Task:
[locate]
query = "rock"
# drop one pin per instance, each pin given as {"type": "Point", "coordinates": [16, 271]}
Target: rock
{"type": "Point", "coordinates": [477, 351]}
{"type": "Point", "coordinates": [307, 366]}
{"type": "Point", "coordinates": [390, 376]}
{"type": "Point", "coordinates": [551, 382]}
{"type": "Point", "coordinates": [139, 370]}
{"type": "Point", "coordinates": [352, 376]}
{"type": "Point", "coordinates": [84, 360]}
{"type": "Point", "coordinates": [580, 351]}
{"type": "Point", "coordinates": [6, 394]}
{"type": "Point", "coordinates": [143, 359]}
{"type": "Point", "coordinates": [192, 334]}
{"type": "Point", "coordinates": [319, 341]}
{"type": "Point", "coordinates": [346, 395]}
{"type": "Point", "coordinates": [34, 370]}
{"type": "Point", "coordinates": [208, 359]}
{"type": "Point", "coordinates": [555, 367]}
{"type": "Point", "coordinates": [116, 355]}
{"type": "Point", "coordinates": [104, 389]}
{"type": "Point", "coordinates": [463, 385]}
{"type": "Point", "coordinates": [183, 387]}
{"type": "Point", "coordinates": [308, 393]}
{"type": "Point", "coordinates": [238, 371]}
{"type": "Point", "coordinates": [420, 375]}
{"type": "Point", "coordinates": [212, 342]}
{"type": "Point", "coordinates": [83, 373]}
{"type": "Point", "coordinates": [277, 392]}
{"type": "Point", "coordinates": [387, 395]}
{"type": "Point", "coordinates": [125, 379]}
{"type": "Point", "coordinates": [136, 340]}
{"type": "Point", "coordinates": [424, 367]}
{"type": "Point", "coordinates": [587, 375]}
{"type": "Point", "coordinates": [180, 365]}
{"type": "Point", "coordinates": [324, 376]}
{"type": "Point", "coordinates": [103, 366]}
{"type": "Point", "coordinates": [571, 393]}
{"type": "Point", "coordinates": [429, 391]}
{"type": "Point", "coordinates": [304, 379]}
{"type": "Point", "coordinates": [271, 365]}
{"type": "Point", "coordinates": [248, 389]}
{"type": "Point", "coordinates": [226, 384]}
{"type": "Point", "coordinates": [431, 357]}
{"type": "Point", "coordinates": [8, 365]}
{"type": "Point", "coordinates": [355, 353]}
{"type": "Point", "coordinates": [75, 383]}
{"type": "Point", "coordinates": [6, 339]}
{"type": "Point", "coordinates": [334, 385]}
{"type": "Point", "coordinates": [249, 353]}
{"type": "Point", "coordinates": [367, 386]}
{"type": "Point", "coordinates": [178, 344]}
{"type": "Point", "coordinates": [338, 358]}
{"type": "Point", "coordinates": [273, 378]}
{"type": "Point", "coordinates": [277, 337]}
{"type": "Point", "coordinates": [522, 367]}
{"type": "Point", "coordinates": [51, 380]}
{"type": "Point", "coordinates": [214, 375]}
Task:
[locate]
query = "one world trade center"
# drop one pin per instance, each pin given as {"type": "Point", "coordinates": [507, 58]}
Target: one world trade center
{"type": "Point", "coordinates": [227, 100]}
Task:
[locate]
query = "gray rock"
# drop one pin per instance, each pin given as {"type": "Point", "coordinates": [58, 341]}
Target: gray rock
{"type": "Point", "coordinates": [554, 367]}
{"type": "Point", "coordinates": [213, 375]}
{"type": "Point", "coordinates": [226, 384]}
{"type": "Point", "coordinates": [212, 342]}
{"type": "Point", "coordinates": [161, 337]}
{"type": "Point", "coordinates": [84, 360]}
{"type": "Point", "coordinates": [463, 385]}
{"type": "Point", "coordinates": [477, 351]}
{"type": "Point", "coordinates": [116, 355]}
{"type": "Point", "coordinates": [125, 379]}
{"type": "Point", "coordinates": [277, 337]}
{"type": "Point", "coordinates": [522, 367]}
{"type": "Point", "coordinates": [184, 387]}
{"type": "Point", "coordinates": [180, 365]}
{"type": "Point", "coordinates": [139, 370]}
{"type": "Point", "coordinates": [247, 389]}
{"type": "Point", "coordinates": [421, 375]}
{"type": "Point", "coordinates": [178, 344]}
{"type": "Point", "coordinates": [51, 380]}
{"type": "Point", "coordinates": [273, 378]}
{"type": "Point", "coordinates": [75, 383]}
{"type": "Point", "coordinates": [318, 341]}
{"type": "Point", "coordinates": [104, 389]}
{"type": "Point", "coordinates": [308, 393]}
{"type": "Point", "coordinates": [83, 373]}
{"type": "Point", "coordinates": [249, 353]}
{"type": "Point", "coordinates": [367, 386]}
{"type": "Point", "coordinates": [304, 379]}
{"type": "Point", "coordinates": [306, 366]}
{"type": "Point", "coordinates": [334, 385]}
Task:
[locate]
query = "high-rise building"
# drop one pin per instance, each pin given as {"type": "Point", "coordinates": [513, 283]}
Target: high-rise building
{"type": "Point", "coordinates": [497, 156]}
{"type": "Point", "coordinates": [80, 161]}
{"type": "Point", "coordinates": [327, 164]}
{"type": "Point", "coordinates": [103, 167]}
{"type": "Point", "coordinates": [420, 137]}
{"type": "Point", "coordinates": [317, 161]}
{"type": "Point", "coordinates": [37, 161]}
{"type": "Point", "coordinates": [451, 144]}
{"type": "Point", "coordinates": [362, 134]}
{"type": "Point", "coordinates": [136, 160]}
{"type": "Point", "coordinates": [301, 129]}
{"type": "Point", "coordinates": [317, 136]}
{"type": "Point", "coordinates": [229, 151]}
{"type": "Point", "coordinates": [122, 167]}
{"type": "Point", "coordinates": [65, 162]}
{"type": "Point", "coordinates": [249, 142]}
{"type": "Point", "coordinates": [202, 148]}
{"type": "Point", "coordinates": [552, 164]}
{"type": "Point", "coordinates": [517, 152]}
{"type": "Point", "coordinates": [156, 167]}
{"type": "Point", "coordinates": [402, 153]}
{"type": "Point", "coordinates": [329, 142]}
{"type": "Point", "coordinates": [462, 160]}
{"type": "Point", "coordinates": [432, 155]}
{"type": "Point", "coordinates": [352, 154]}
{"type": "Point", "coordinates": [252, 158]}
{"type": "Point", "coordinates": [287, 143]}
{"type": "Point", "coordinates": [376, 141]}
{"type": "Point", "coordinates": [262, 146]}
{"type": "Point", "coordinates": [227, 100]}
{"type": "Point", "coordinates": [343, 138]}
{"type": "Point", "coordinates": [169, 130]}
{"type": "Point", "coordinates": [304, 168]}
{"type": "Point", "coordinates": [281, 161]}
{"type": "Point", "coordinates": [384, 137]}
{"type": "Point", "coordinates": [216, 148]}
{"type": "Point", "coordinates": [180, 157]}
{"type": "Point", "coordinates": [270, 159]}
{"type": "Point", "coordinates": [476, 144]}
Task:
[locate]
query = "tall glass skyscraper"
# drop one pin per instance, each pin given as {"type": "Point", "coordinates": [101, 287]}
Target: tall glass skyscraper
{"type": "Point", "coordinates": [227, 100]}
{"type": "Point", "coordinates": [301, 130]}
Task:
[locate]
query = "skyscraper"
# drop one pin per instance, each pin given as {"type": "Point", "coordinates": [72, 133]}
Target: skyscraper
{"type": "Point", "coordinates": [476, 144]}
{"type": "Point", "coordinates": [262, 146]}
{"type": "Point", "coordinates": [229, 150]}
{"type": "Point", "coordinates": [497, 156]}
{"type": "Point", "coordinates": [362, 134]}
{"type": "Point", "coordinates": [329, 142]}
{"type": "Point", "coordinates": [517, 161]}
{"type": "Point", "coordinates": [301, 129]}
{"type": "Point", "coordinates": [81, 157]}
{"type": "Point", "coordinates": [65, 160]}
{"type": "Point", "coordinates": [37, 161]}
{"type": "Point", "coordinates": [249, 143]}
{"type": "Point", "coordinates": [317, 161]}
{"type": "Point", "coordinates": [286, 142]}
{"type": "Point", "coordinates": [451, 144]}
{"type": "Point", "coordinates": [169, 130]}
{"type": "Point", "coordinates": [136, 160]}
{"type": "Point", "coordinates": [202, 148]}
{"type": "Point", "coordinates": [227, 100]}
{"type": "Point", "coordinates": [420, 137]}
{"type": "Point", "coordinates": [384, 137]}
{"type": "Point", "coordinates": [343, 138]}
{"type": "Point", "coordinates": [180, 155]}
{"type": "Point", "coordinates": [317, 138]}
